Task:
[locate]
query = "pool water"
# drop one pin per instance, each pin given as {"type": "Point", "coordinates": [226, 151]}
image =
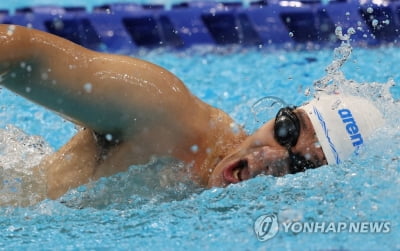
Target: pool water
{"type": "Point", "coordinates": [147, 207]}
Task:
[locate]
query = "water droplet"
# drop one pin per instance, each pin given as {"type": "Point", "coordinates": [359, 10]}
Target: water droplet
{"type": "Point", "coordinates": [87, 87]}
{"type": "Point", "coordinates": [194, 148]}
{"type": "Point", "coordinates": [68, 157]}
{"type": "Point", "coordinates": [375, 22]}
{"type": "Point", "coordinates": [370, 10]}
{"type": "Point", "coordinates": [307, 92]}
{"type": "Point", "coordinates": [10, 30]}
{"type": "Point", "coordinates": [351, 31]}
{"type": "Point", "coordinates": [45, 76]}
{"type": "Point", "coordinates": [28, 89]}
{"type": "Point", "coordinates": [257, 142]}
{"type": "Point", "coordinates": [58, 24]}
{"type": "Point", "coordinates": [338, 31]}
{"type": "Point", "coordinates": [235, 128]}
{"type": "Point", "coordinates": [291, 34]}
{"type": "Point", "coordinates": [109, 137]}
{"type": "Point", "coordinates": [266, 108]}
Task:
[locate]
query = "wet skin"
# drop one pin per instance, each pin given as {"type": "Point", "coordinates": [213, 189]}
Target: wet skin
{"type": "Point", "coordinates": [146, 109]}
{"type": "Point", "coordinates": [260, 153]}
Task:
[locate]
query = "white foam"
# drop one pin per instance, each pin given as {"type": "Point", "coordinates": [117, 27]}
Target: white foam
{"type": "Point", "coordinates": [19, 154]}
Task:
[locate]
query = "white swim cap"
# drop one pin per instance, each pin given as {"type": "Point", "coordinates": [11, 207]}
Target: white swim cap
{"type": "Point", "coordinates": [342, 123]}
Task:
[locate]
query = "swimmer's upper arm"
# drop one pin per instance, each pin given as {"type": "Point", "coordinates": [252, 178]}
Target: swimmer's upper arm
{"type": "Point", "coordinates": [108, 93]}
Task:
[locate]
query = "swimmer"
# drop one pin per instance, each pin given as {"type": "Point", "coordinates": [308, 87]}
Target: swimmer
{"type": "Point", "coordinates": [131, 110]}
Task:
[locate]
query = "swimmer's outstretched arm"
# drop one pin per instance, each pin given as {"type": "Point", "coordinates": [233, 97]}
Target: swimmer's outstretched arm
{"type": "Point", "coordinates": [108, 93]}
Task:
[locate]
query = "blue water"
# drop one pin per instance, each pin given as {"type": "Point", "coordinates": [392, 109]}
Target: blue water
{"type": "Point", "coordinates": [136, 210]}
{"type": "Point", "coordinates": [11, 5]}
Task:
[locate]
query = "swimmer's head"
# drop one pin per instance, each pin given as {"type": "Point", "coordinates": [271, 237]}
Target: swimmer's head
{"type": "Point", "coordinates": [326, 130]}
{"type": "Point", "coordinates": [342, 123]}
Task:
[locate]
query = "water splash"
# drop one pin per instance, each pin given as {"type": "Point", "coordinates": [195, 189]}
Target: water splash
{"type": "Point", "coordinates": [336, 82]}
{"type": "Point", "coordinates": [19, 154]}
{"type": "Point", "coordinates": [161, 180]}
{"type": "Point", "coordinates": [334, 76]}
{"type": "Point", "coordinates": [266, 108]}
{"type": "Point", "coordinates": [333, 82]}
{"type": "Point", "coordinates": [29, 149]}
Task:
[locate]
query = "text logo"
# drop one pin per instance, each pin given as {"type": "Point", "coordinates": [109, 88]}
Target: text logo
{"type": "Point", "coordinates": [337, 227]}
{"type": "Point", "coordinates": [266, 227]}
{"type": "Point", "coordinates": [351, 127]}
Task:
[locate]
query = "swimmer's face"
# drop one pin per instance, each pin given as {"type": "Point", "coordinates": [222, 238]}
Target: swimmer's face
{"type": "Point", "coordinates": [261, 153]}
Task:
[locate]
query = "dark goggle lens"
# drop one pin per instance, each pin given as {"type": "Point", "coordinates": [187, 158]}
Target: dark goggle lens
{"type": "Point", "coordinates": [287, 127]}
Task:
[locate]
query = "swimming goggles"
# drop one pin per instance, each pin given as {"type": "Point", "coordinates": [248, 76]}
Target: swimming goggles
{"type": "Point", "coordinates": [286, 133]}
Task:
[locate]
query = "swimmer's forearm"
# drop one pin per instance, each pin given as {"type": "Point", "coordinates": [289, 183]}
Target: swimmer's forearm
{"type": "Point", "coordinates": [73, 165]}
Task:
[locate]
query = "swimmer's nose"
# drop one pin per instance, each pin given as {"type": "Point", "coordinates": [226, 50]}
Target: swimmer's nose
{"type": "Point", "coordinates": [274, 163]}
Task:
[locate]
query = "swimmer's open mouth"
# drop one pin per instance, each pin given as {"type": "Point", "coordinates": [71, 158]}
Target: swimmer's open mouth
{"type": "Point", "coordinates": [236, 172]}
